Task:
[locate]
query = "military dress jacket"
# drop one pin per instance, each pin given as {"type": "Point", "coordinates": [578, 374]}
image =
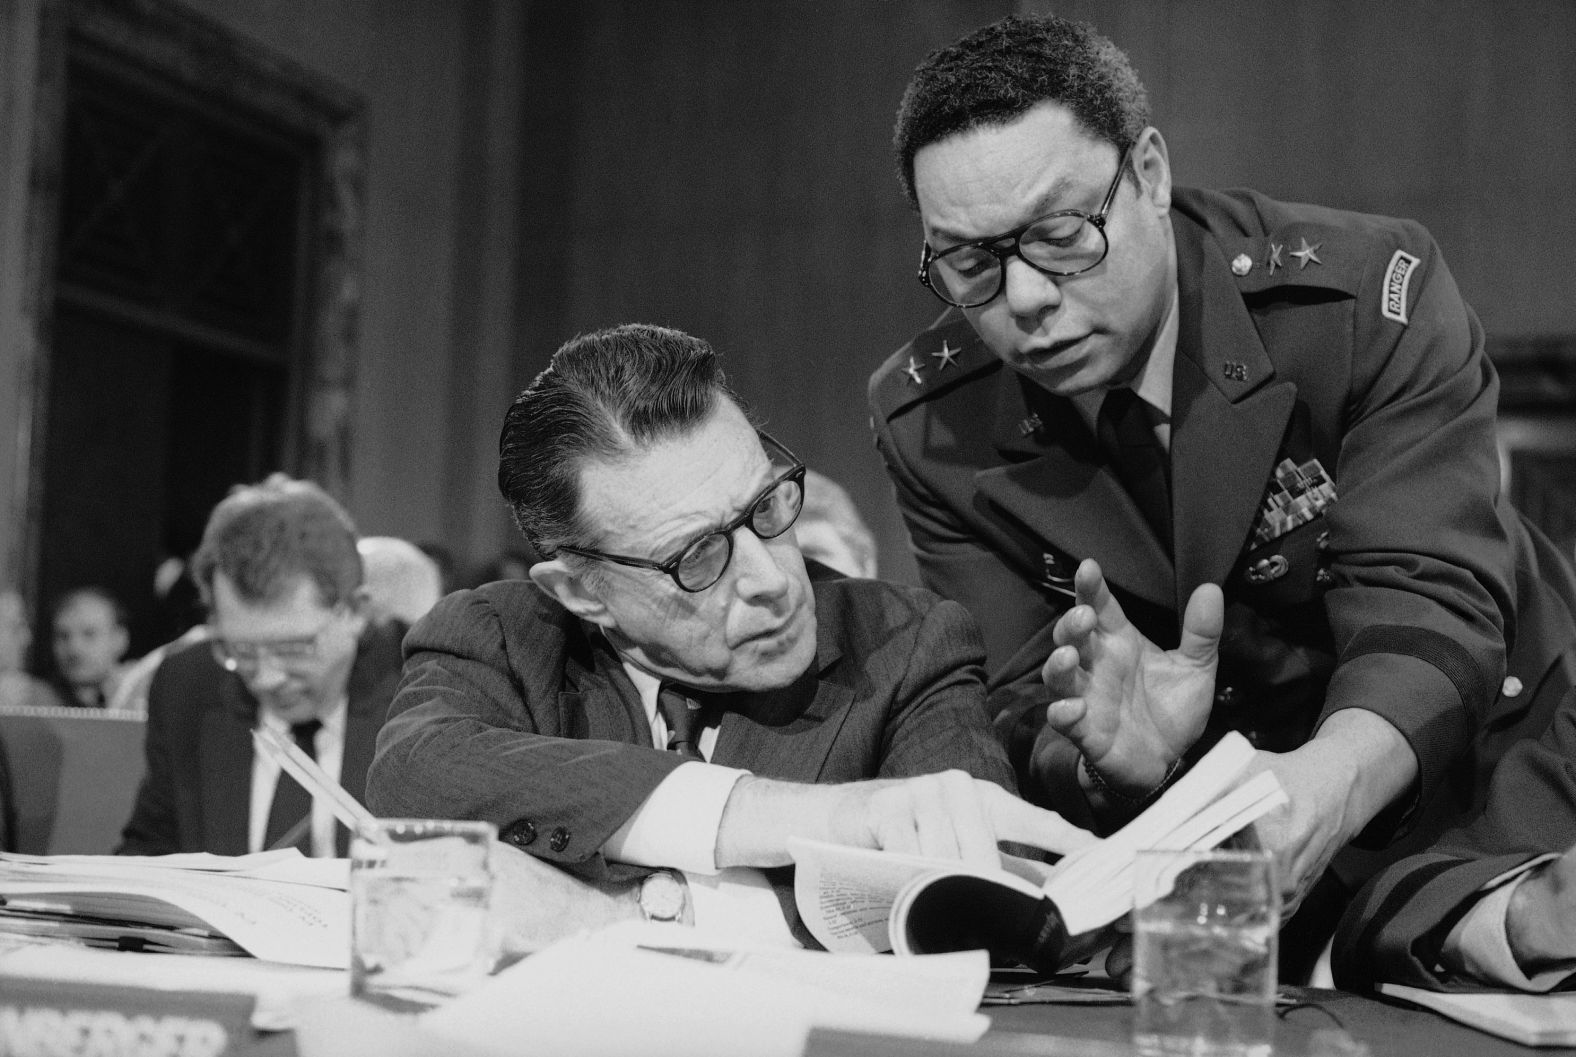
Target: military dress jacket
{"type": "Point", "coordinates": [513, 711]}
{"type": "Point", "coordinates": [1333, 467]}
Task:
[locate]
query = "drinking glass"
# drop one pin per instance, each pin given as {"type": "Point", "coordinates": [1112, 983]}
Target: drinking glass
{"type": "Point", "coordinates": [420, 890]}
{"type": "Point", "coordinates": [1204, 953]}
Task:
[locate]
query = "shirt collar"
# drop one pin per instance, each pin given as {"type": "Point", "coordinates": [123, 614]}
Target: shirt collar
{"type": "Point", "coordinates": [333, 721]}
{"type": "Point", "coordinates": [1153, 383]}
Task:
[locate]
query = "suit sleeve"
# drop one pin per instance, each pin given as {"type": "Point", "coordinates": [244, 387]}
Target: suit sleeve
{"type": "Point", "coordinates": [1394, 930]}
{"type": "Point", "coordinates": [1423, 570]}
{"type": "Point", "coordinates": [937, 720]}
{"type": "Point", "coordinates": [154, 826]}
{"type": "Point", "coordinates": [469, 737]}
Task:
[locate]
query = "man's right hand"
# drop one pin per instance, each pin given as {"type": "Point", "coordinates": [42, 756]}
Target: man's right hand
{"type": "Point", "coordinates": [1541, 921]}
{"type": "Point", "coordinates": [949, 815]}
{"type": "Point", "coordinates": [1130, 707]}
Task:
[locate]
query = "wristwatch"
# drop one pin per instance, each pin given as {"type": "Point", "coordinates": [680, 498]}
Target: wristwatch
{"type": "Point", "coordinates": [664, 897]}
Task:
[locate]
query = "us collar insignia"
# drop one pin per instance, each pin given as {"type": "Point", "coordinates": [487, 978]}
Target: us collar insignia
{"type": "Point", "coordinates": [1306, 253]}
{"type": "Point", "coordinates": [912, 370]}
{"type": "Point", "coordinates": [948, 356]}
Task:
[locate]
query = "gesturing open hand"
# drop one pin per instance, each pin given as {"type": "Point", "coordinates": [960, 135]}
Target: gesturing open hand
{"type": "Point", "coordinates": [1130, 707]}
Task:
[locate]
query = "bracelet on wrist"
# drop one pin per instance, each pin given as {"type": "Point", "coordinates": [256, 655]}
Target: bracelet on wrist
{"type": "Point", "coordinates": [1119, 798]}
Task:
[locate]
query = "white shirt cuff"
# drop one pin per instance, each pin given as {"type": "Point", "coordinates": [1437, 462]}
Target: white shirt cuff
{"type": "Point", "coordinates": [676, 826]}
{"type": "Point", "coordinates": [739, 905]}
{"type": "Point", "coordinates": [1479, 945]}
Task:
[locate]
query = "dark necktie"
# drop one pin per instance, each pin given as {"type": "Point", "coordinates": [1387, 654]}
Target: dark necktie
{"type": "Point", "coordinates": [1126, 431]}
{"type": "Point", "coordinates": [291, 802]}
{"type": "Point", "coordinates": [684, 721]}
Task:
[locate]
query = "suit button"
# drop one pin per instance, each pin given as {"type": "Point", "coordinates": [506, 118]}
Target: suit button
{"type": "Point", "coordinates": [559, 839]}
{"type": "Point", "coordinates": [520, 832]}
{"type": "Point", "coordinates": [1511, 686]}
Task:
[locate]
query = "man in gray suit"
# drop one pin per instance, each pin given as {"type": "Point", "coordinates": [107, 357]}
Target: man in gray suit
{"type": "Point", "coordinates": [675, 693]}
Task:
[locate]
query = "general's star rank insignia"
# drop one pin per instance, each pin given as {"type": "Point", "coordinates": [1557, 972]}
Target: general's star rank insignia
{"type": "Point", "coordinates": [912, 370]}
{"type": "Point", "coordinates": [1306, 253]}
{"type": "Point", "coordinates": [948, 355]}
{"type": "Point", "coordinates": [1274, 261]}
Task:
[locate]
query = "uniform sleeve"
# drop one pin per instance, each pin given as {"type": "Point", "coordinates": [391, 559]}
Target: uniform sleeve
{"type": "Point", "coordinates": [1395, 930]}
{"type": "Point", "coordinates": [466, 738]}
{"type": "Point", "coordinates": [1423, 570]}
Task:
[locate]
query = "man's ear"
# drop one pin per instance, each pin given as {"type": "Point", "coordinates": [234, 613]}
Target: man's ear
{"type": "Point", "coordinates": [568, 587]}
{"type": "Point", "coordinates": [1152, 162]}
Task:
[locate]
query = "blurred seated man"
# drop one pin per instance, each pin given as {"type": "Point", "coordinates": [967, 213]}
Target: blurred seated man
{"type": "Point", "coordinates": [830, 529]}
{"type": "Point", "coordinates": [290, 648]}
{"type": "Point", "coordinates": [88, 626]}
{"type": "Point", "coordinates": [17, 687]}
{"type": "Point", "coordinates": [402, 581]}
{"type": "Point", "coordinates": [673, 688]}
{"type": "Point", "coordinates": [1492, 903]}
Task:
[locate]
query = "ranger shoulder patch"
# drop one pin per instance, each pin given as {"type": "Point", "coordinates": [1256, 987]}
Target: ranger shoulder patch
{"type": "Point", "coordinates": [1397, 278]}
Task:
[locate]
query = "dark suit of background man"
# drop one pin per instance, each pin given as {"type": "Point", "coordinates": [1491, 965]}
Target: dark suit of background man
{"type": "Point", "coordinates": [674, 688]}
{"type": "Point", "coordinates": [291, 649]}
{"type": "Point", "coordinates": [1306, 492]}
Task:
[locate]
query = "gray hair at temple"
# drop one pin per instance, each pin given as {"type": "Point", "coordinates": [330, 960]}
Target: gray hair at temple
{"type": "Point", "coordinates": [263, 535]}
{"type": "Point", "coordinates": [605, 395]}
{"type": "Point", "coordinates": [996, 74]}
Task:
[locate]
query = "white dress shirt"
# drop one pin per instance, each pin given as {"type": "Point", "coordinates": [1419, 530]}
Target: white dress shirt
{"type": "Point", "coordinates": [676, 826]}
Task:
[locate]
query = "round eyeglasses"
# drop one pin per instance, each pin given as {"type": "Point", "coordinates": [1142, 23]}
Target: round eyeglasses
{"type": "Point", "coordinates": [1067, 242]}
{"type": "Point", "coordinates": [702, 561]}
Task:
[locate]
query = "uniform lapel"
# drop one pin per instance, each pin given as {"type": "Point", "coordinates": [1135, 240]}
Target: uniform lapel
{"type": "Point", "coordinates": [1228, 416]}
{"type": "Point", "coordinates": [224, 763]}
{"type": "Point", "coordinates": [1063, 491]}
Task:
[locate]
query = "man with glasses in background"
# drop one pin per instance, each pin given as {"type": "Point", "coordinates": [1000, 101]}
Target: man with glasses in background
{"type": "Point", "coordinates": [675, 694]}
{"type": "Point", "coordinates": [290, 648]}
{"type": "Point", "coordinates": [1201, 461]}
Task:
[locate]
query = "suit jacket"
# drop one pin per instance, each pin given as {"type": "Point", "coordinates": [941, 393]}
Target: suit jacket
{"type": "Point", "coordinates": [513, 711]}
{"type": "Point", "coordinates": [1400, 596]}
{"type": "Point", "coordinates": [197, 793]}
{"type": "Point", "coordinates": [1394, 929]}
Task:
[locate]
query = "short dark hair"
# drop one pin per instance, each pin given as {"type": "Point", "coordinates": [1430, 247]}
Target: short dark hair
{"type": "Point", "coordinates": [605, 395]}
{"type": "Point", "coordinates": [263, 535]}
{"type": "Point", "coordinates": [116, 608]}
{"type": "Point", "coordinates": [998, 73]}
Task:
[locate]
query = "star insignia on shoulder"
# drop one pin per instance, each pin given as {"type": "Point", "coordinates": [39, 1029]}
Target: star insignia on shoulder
{"type": "Point", "coordinates": [1274, 261]}
{"type": "Point", "coordinates": [947, 355]}
{"type": "Point", "coordinates": [1306, 253]}
{"type": "Point", "coordinates": [912, 370]}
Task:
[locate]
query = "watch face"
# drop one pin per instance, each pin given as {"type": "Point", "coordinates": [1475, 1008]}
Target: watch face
{"type": "Point", "coordinates": [662, 898]}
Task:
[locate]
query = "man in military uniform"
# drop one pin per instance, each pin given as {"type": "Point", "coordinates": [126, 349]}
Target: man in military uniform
{"type": "Point", "coordinates": [1200, 461]}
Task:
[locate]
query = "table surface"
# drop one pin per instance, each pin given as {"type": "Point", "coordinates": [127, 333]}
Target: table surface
{"type": "Point", "coordinates": [1388, 1028]}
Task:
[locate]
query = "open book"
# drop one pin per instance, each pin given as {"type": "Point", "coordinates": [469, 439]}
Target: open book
{"type": "Point", "coordinates": [855, 899]}
{"type": "Point", "coordinates": [278, 906]}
